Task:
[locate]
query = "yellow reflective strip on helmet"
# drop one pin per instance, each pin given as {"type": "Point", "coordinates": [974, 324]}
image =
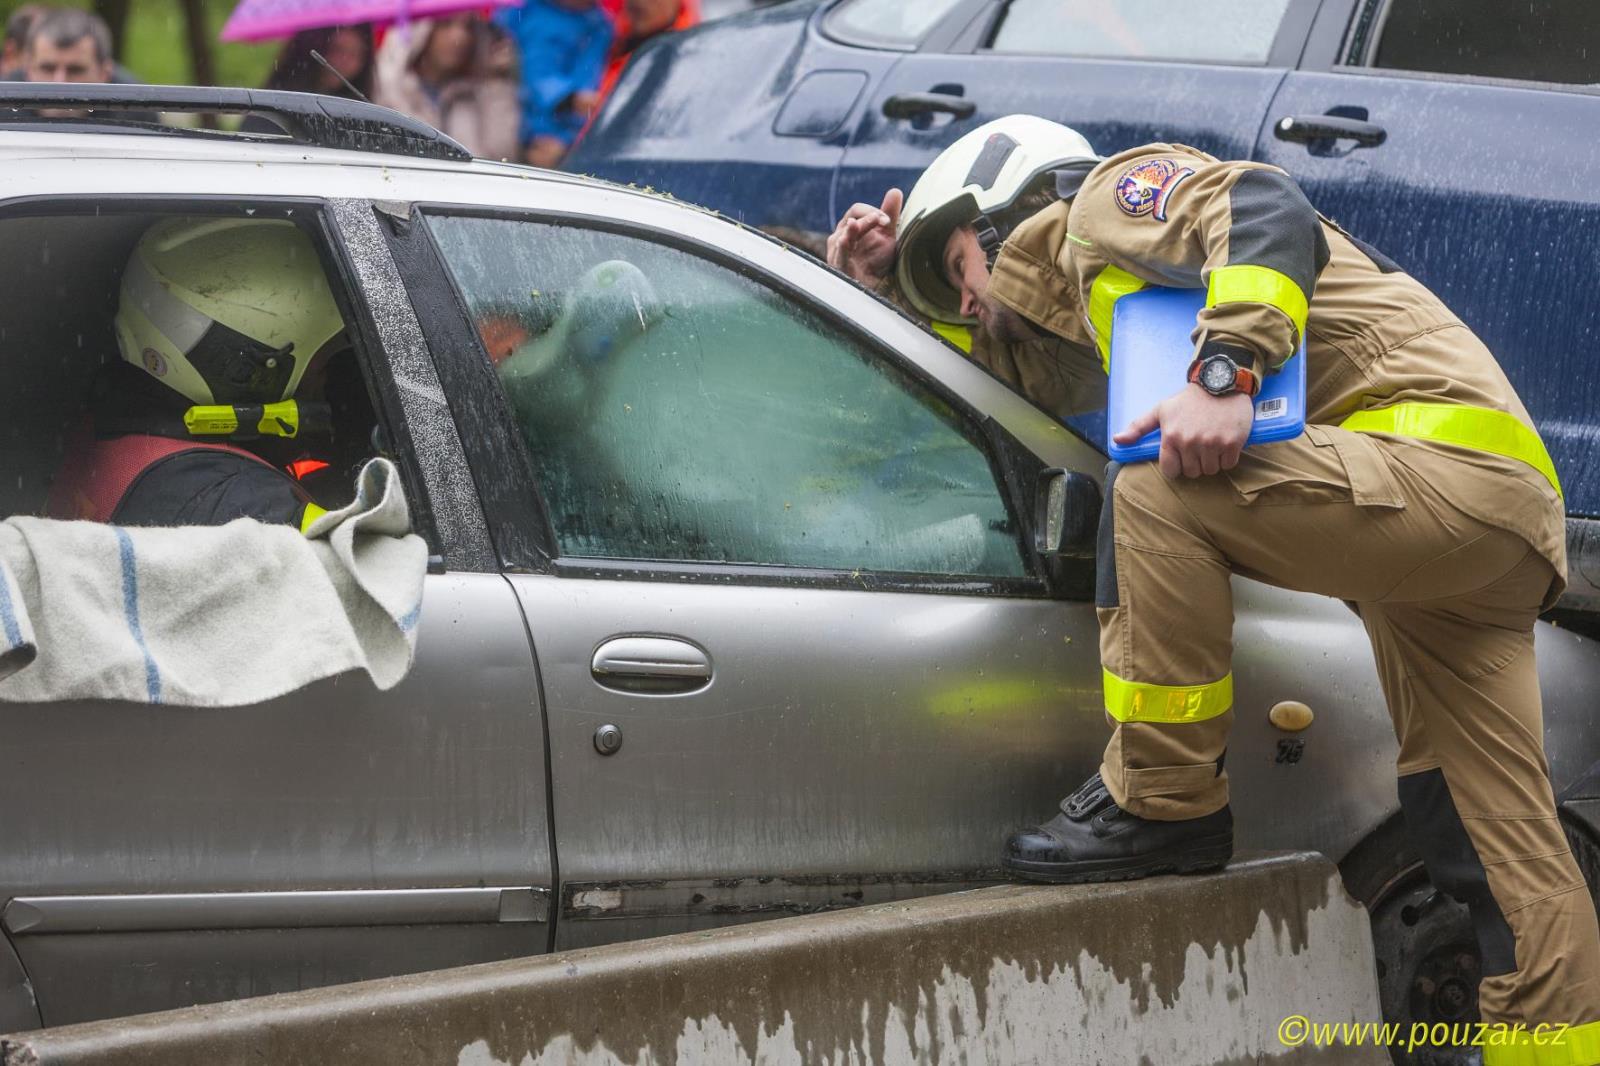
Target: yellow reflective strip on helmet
{"type": "Point", "coordinates": [310, 515]}
{"type": "Point", "coordinates": [960, 336]}
{"type": "Point", "coordinates": [1542, 1045]}
{"type": "Point", "coordinates": [1110, 285]}
{"type": "Point", "coordinates": [211, 420]}
{"type": "Point", "coordinates": [1133, 701]}
{"type": "Point", "coordinates": [1259, 285]}
{"type": "Point", "coordinates": [1496, 432]}
{"type": "Point", "coordinates": [280, 419]}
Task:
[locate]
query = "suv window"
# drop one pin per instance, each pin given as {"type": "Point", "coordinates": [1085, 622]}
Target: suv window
{"type": "Point", "coordinates": [676, 410]}
{"type": "Point", "coordinates": [1212, 31]}
{"type": "Point", "coordinates": [1550, 41]}
{"type": "Point", "coordinates": [63, 284]}
{"type": "Point", "coordinates": [888, 23]}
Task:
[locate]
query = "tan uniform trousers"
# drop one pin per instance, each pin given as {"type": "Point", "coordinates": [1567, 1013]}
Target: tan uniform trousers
{"type": "Point", "coordinates": [1449, 603]}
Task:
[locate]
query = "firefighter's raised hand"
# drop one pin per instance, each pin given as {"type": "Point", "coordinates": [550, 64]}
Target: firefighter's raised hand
{"type": "Point", "coordinates": [1200, 433]}
{"type": "Point", "coordinates": [862, 244]}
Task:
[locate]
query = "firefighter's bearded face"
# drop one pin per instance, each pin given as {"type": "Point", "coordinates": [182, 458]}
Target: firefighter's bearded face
{"type": "Point", "coordinates": [967, 269]}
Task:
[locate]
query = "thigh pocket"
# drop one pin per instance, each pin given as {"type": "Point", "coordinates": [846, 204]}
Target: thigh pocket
{"type": "Point", "coordinates": [1323, 465]}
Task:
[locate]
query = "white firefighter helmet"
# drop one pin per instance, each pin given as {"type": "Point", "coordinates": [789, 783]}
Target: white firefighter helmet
{"type": "Point", "coordinates": [226, 310]}
{"type": "Point", "coordinates": [979, 176]}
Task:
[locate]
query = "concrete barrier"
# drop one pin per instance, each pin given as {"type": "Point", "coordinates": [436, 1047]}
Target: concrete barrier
{"type": "Point", "coordinates": [1171, 971]}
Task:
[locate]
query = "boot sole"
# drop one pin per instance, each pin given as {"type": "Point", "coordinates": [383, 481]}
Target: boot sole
{"type": "Point", "coordinates": [1202, 856]}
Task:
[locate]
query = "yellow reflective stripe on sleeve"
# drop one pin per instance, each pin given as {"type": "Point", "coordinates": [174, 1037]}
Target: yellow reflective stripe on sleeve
{"type": "Point", "coordinates": [310, 515]}
{"type": "Point", "coordinates": [1542, 1045]}
{"type": "Point", "coordinates": [1132, 701]}
{"type": "Point", "coordinates": [1110, 285]}
{"type": "Point", "coordinates": [960, 336]}
{"type": "Point", "coordinates": [1496, 432]}
{"type": "Point", "coordinates": [1259, 285]}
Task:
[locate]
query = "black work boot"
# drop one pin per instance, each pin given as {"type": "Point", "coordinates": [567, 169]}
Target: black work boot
{"type": "Point", "coordinates": [1093, 839]}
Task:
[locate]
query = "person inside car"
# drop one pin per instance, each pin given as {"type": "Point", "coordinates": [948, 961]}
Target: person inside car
{"type": "Point", "coordinates": [1419, 492]}
{"type": "Point", "coordinates": [225, 327]}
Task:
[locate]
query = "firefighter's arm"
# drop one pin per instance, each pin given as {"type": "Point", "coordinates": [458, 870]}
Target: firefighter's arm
{"type": "Point", "coordinates": [1243, 231]}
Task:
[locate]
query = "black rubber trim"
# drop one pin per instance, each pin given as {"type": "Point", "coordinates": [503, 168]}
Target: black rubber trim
{"type": "Point", "coordinates": [518, 524]}
{"type": "Point", "coordinates": [1440, 837]}
{"type": "Point", "coordinates": [1105, 568]}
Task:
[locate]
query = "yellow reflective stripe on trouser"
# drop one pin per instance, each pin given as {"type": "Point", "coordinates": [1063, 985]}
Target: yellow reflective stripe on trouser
{"type": "Point", "coordinates": [310, 515]}
{"type": "Point", "coordinates": [960, 336]}
{"type": "Point", "coordinates": [1132, 701]}
{"type": "Point", "coordinates": [1491, 431]}
{"type": "Point", "coordinates": [1549, 1045]}
{"type": "Point", "coordinates": [1259, 285]}
{"type": "Point", "coordinates": [1110, 285]}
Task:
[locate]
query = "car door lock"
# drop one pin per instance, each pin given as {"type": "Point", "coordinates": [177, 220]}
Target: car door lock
{"type": "Point", "coordinates": [608, 740]}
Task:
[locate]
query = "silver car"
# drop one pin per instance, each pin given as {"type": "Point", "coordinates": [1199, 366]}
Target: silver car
{"type": "Point", "coordinates": [750, 598]}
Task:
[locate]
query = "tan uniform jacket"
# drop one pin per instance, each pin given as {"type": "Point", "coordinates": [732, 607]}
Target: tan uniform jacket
{"type": "Point", "coordinates": [1166, 214]}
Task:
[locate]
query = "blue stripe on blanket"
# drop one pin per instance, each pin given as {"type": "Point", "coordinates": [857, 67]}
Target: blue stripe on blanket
{"type": "Point", "coordinates": [130, 610]}
{"type": "Point", "coordinates": [8, 614]}
{"type": "Point", "coordinates": [409, 621]}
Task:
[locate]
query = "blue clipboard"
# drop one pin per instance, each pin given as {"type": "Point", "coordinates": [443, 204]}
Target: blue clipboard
{"type": "Point", "coordinates": [1151, 351]}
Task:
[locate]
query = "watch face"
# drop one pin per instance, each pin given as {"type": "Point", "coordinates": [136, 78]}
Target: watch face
{"type": "Point", "coordinates": [1217, 375]}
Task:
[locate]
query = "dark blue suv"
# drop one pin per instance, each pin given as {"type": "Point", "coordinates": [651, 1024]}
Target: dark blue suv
{"type": "Point", "coordinates": [1461, 137]}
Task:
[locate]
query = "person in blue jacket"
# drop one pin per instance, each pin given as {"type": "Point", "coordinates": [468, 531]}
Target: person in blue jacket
{"type": "Point", "coordinates": [564, 44]}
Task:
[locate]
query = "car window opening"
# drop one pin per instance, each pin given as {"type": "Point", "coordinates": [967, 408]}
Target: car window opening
{"type": "Point", "coordinates": [67, 278]}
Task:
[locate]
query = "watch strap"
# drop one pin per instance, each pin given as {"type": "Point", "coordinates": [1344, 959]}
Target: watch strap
{"type": "Point", "coordinates": [1245, 379]}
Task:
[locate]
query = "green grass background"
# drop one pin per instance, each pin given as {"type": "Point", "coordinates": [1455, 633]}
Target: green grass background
{"type": "Point", "coordinates": [157, 48]}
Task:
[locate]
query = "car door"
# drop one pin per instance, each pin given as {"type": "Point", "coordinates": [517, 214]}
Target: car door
{"type": "Point", "coordinates": [1452, 136]}
{"type": "Point", "coordinates": [154, 857]}
{"type": "Point", "coordinates": [797, 650]}
{"type": "Point", "coordinates": [1119, 72]}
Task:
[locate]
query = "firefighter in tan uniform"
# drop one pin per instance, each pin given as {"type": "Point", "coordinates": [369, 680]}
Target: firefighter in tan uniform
{"type": "Point", "coordinates": [1419, 492]}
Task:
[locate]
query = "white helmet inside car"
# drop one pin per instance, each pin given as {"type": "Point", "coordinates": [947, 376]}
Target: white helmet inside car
{"type": "Point", "coordinates": [226, 310]}
{"type": "Point", "coordinates": [973, 181]}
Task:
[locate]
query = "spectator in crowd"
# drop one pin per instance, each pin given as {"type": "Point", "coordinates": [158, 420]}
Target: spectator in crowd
{"type": "Point", "coordinates": [564, 45]}
{"type": "Point", "coordinates": [637, 22]}
{"type": "Point", "coordinates": [448, 73]}
{"type": "Point", "coordinates": [65, 44]}
{"type": "Point", "coordinates": [16, 41]}
{"type": "Point", "coordinates": [348, 49]}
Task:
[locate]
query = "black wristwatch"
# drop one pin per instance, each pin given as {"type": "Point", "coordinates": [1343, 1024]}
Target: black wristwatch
{"type": "Point", "coordinates": [1217, 369]}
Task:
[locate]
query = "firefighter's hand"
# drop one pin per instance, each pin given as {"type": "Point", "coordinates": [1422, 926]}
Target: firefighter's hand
{"type": "Point", "coordinates": [862, 244]}
{"type": "Point", "coordinates": [1200, 433]}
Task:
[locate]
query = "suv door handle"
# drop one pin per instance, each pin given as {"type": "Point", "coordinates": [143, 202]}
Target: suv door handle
{"type": "Point", "coordinates": [651, 664]}
{"type": "Point", "coordinates": [1304, 130]}
{"type": "Point", "coordinates": [915, 105]}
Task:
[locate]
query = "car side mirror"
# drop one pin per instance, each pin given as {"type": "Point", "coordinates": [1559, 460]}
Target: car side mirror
{"type": "Point", "coordinates": [1066, 514]}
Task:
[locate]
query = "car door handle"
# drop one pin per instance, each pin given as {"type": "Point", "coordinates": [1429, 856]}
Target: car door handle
{"type": "Point", "coordinates": [1305, 129]}
{"type": "Point", "coordinates": [915, 105]}
{"type": "Point", "coordinates": [651, 664]}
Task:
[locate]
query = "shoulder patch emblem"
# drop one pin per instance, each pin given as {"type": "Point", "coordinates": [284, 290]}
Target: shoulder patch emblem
{"type": "Point", "coordinates": [1145, 188]}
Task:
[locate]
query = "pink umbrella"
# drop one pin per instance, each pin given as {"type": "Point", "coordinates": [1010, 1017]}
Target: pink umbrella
{"type": "Point", "coordinates": [256, 20]}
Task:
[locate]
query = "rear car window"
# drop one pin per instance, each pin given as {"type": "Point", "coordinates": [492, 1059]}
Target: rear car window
{"type": "Point", "coordinates": [1208, 31]}
{"type": "Point", "coordinates": [888, 23]}
{"type": "Point", "coordinates": [1549, 41]}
